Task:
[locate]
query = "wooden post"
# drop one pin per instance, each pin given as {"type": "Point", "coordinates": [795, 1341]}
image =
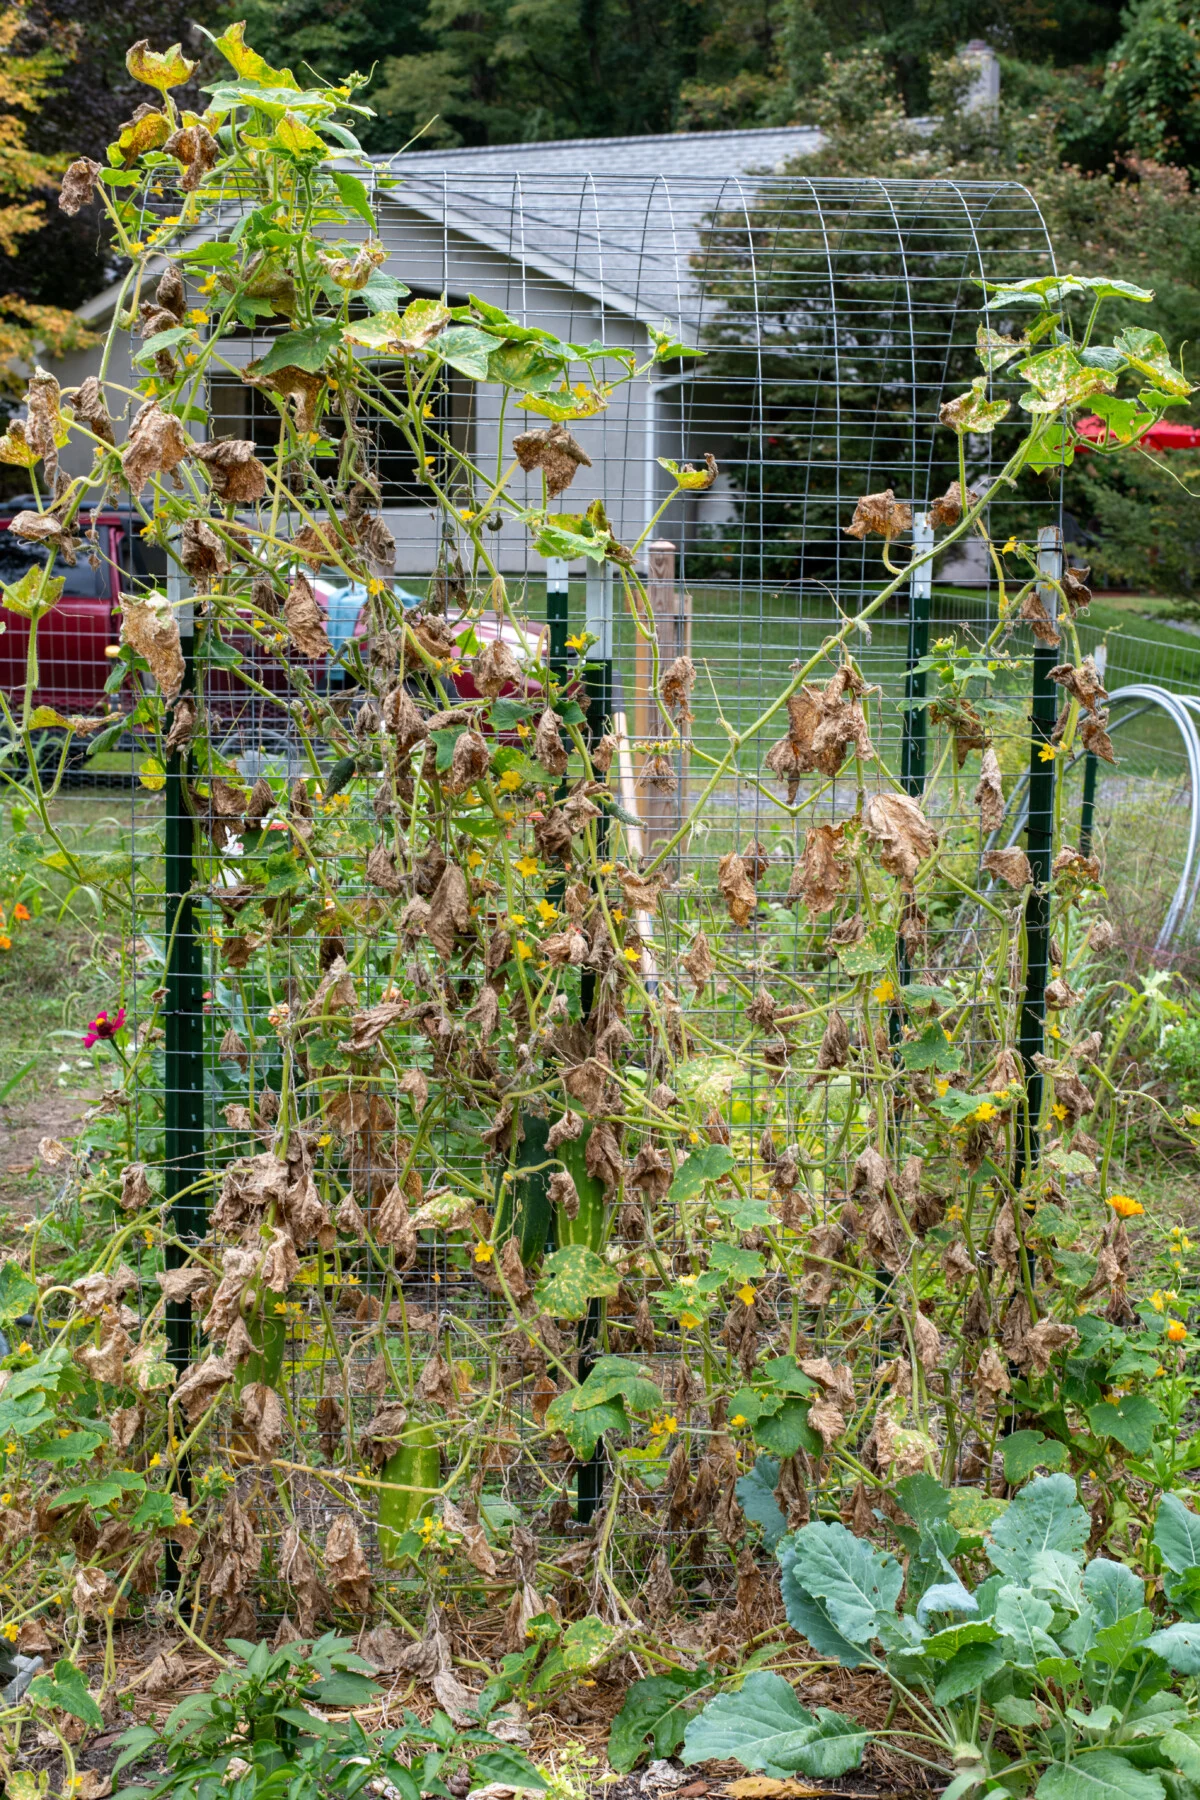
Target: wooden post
{"type": "Point", "coordinates": [661, 813]}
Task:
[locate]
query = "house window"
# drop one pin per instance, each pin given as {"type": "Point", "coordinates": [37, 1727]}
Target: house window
{"type": "Point", "coordinates": [238, 409]}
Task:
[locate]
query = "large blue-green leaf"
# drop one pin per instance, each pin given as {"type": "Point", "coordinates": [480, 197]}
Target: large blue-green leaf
{"type": "Point", "coordinates": [756, 1497]}
{"type": "Point", "coordinates": [1177, 1534]}
{"type": "Point", "coordinates": [944, 1596]}
{"type": "Point", "coordinates": [1183, 1750]}
{"type": "Point", "coordinates": [1098, 1775]}
{"type": "Point", "coordinates": [1114, 1591]}
{"type": "Point", "coordinates": [1115, 1643]}
{"type": "Point", "coordinates": [811, 1619]}
{"type": "Point", "coordinates": [1024, 1619]}
{"type": "Point", "coordinates": [1179, 1647]}
{"type": "Point", "coordinates": [964, 1672]}
{"type": "Point", "coordinates": [763, 1726]}
{"type": "Point", "coordinates": [858, 1584]}
{"type": "Point", "coordinates": [1046, 1515]}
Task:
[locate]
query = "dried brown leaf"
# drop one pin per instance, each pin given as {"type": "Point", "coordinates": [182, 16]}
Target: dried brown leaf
{"type": "Point", "coordinates": [150, 628]}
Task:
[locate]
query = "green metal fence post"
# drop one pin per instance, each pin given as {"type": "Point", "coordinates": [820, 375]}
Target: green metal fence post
{"type": "Point", "coordinates": [598, 670]}
{"type": "Point", "coordinates": [598, 677]}
{"type": "Point", "coordinates": [183, 1089]}
{"type": "Point", "coordinates": [558, 590]}
{"type": "Point", "coordinates": [915, 725]}
{"type": "Point", "coordinates": [1039, 847]}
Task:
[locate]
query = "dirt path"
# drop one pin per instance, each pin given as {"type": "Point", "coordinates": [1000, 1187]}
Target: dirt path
{"type": "Point", "coordinates": [27, 1185]}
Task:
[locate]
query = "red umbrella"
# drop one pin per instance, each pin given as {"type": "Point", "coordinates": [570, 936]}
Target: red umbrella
{"type": "Point", "coordinates": [1163, 436]}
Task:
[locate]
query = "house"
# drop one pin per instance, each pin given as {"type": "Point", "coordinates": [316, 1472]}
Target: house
{"type": "Point", "coordinates": [588, 238]}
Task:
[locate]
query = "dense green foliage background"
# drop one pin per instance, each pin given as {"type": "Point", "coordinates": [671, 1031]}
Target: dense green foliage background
{"type": "Point", "coordinates": [1110, 144]}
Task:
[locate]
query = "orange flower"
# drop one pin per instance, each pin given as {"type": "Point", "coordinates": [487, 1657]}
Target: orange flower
{"type": "Point", "coordinates": [5, 941]}
{"type": "Point", "coordinates": [1125, 1206]}
{"type": "Point", "coordinates": [1176, 1331]}
{"type": "Point", "coordinates": [22, 912]}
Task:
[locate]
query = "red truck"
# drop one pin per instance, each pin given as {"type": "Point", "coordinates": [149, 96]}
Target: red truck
{"type": "Point", "coordinates": [76, 637]}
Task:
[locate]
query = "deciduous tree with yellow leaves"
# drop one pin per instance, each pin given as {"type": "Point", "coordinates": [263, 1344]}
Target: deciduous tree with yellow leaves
{"type": "Point", "coordinates": [27, 180]}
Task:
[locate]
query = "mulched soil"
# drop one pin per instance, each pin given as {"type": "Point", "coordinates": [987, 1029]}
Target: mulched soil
{"type": "Point", "coordinates": [583, 1716]}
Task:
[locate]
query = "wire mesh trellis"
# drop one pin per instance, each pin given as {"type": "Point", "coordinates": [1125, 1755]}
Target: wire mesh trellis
{"type": "Point", "coordinates": [835, 319]}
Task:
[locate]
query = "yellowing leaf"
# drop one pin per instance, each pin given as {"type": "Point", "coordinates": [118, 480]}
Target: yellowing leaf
{"type": "Point", "coordinates": [43, 716]}
{"type": "Point", "coordinates": [421, 320]}
{"type": "Point", "coordinates": [1148, 354]}
{"type": "Point", "coordinates": [248, 63]}
{"type": "Point", "coordinates": [691, 479]}
{"type": "Point", "coordinates": [158, 69]}
{"type": "Point", "coordinates": [297, 138]}
{"type": "Point", "coordinates": [151, 774]}
{"type": "Point", "coordinates": [764, 1787]}
{"type": "Point", "coordinates": [16, 448]}
{"type": "Point", "coordinates": [147, 133]}
{"type": "Point", "coordinates": [567, 403]}
{"type": "Point", "coordinates": [34, 594]}
{"type": "Point", "coordinates": [973, 412]}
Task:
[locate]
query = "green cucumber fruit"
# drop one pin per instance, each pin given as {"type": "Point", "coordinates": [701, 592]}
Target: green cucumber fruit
{"type": "Point", "coordinates": [416, 1468]}
{"type": "Point", "coordinates": [524, 1209]}
{"type": "Point", "coordinates": [587, 1227]}
{"type": "Point", "coordinates": [270, 1330]}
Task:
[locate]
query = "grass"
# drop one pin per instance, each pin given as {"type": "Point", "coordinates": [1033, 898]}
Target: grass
{"type": "Point", "coordinates": [63, 968]}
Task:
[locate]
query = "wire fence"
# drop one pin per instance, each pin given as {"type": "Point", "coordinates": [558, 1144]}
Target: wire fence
{"type": "Point", "coordinates": [836, 319]}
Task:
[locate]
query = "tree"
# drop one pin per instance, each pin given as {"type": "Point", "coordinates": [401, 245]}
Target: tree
{"type": "Point", "coordinates": [27, 179]}
{"type": "Point", "coordinates": [1151, 98]}
{"type": "Point", "coordinates": [1143, 223]}
{"type": "Point", "coordinates": [504, 70]}
{"type": "Point", "coordinates": [80, 111]}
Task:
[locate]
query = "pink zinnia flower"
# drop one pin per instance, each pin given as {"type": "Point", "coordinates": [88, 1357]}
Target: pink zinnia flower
{"type": "Point", "coordinates": [102, 1026]}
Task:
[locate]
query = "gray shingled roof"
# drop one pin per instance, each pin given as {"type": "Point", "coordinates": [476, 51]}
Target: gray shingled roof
{"type": "Point", "coordinates": [617, 219]}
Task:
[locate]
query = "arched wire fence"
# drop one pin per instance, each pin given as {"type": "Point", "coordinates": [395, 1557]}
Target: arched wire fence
{"type": "Point", "coordinates": [834, 319]}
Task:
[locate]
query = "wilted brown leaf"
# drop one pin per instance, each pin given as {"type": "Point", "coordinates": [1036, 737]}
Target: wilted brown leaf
{"type": "Point", "coordinates": [737, 890]}
{"type": "Point", "coordinates": [449, 911]}
{"type": "Point", "coordinates": [150, 628]}
{"type": "Point", "coordinates": [675, 688]}
{"type": "Point", "coordinates": [259, 1423]}
{"type": "Point", "coordinates": [902, 833]}
{"type": "Point", "coordinates": [346, 1566]}
{"type": "Point", "coordinates": [156, 445]}
{"type": "Point", "coordinates": [78, 186]}
{"type": "Point", "coordinates": [555, 451]}
{"type": "Point", "coordinates": [304, 619]}
{"type": "Point", "coordinates": [947, 509]}
{"type": "Point", "coordinates": [1011, 866]}
{"type": "Point", "coordinates": [1033, 612]}
{"type": "Point", "coordinates": [237, 475]}
{"type": "Point", "coordinates": [1044, 1340]}
{"type": "Point", "coordinates": [989, 795]}
{"type": "Point", "coordinates": [879, 515]}
{"type": "Point", "coordinates": [821, 876]}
